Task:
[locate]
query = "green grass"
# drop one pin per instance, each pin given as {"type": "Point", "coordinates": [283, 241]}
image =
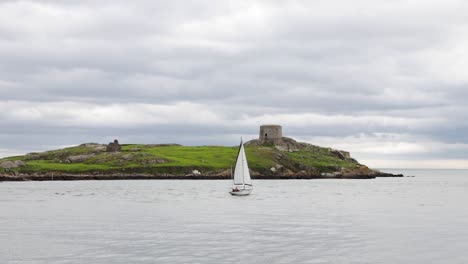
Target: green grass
{"type": "Point", "coordinates": [14, 158]}
{"type": "Point", "coordinates": [177, 159]}
{"type": "Point", "coordinates": [320, 159]}
{"type": "Point", "coordinates": [43, 165]}
{"type": "Point", "coordinates": [213, 157]}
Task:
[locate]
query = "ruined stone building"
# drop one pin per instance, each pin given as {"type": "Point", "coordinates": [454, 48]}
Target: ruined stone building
{"type": "Point", "coordinates": [113, 146]}
{"type": "Point", "coordinates": [270, 132]}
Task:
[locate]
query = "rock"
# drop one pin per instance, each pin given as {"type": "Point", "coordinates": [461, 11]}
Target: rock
{"type": "Point", "coordinates": [330, 175]}
{"type": "Point", "coordinates": [346, 154]}
{"type": "Point", "coordinates": [383, 174]}
{"type": "Point", "coordinates": [95, 146]}
{"type": "Point", "coordinates": [100, 148]}
{"type": "Point", "coordinates": [152, 161]}
{"type": "Point", "coordinates": [284, 144]}
{"type": "Point", "coordinates": [338, 154]}
{"type": "Point", "coordinates": [194, 173]}
{"type": "Point", "coordinates": [114, 146]}
{"type": "Point", "coordinates": [224, 173]}
{"type": "Point", "coordinates": [11, 164]}
{"type": "Point", "coordinates": [78, 158]}
{"type": "Point", "coordinates": [127, 157]}
{"type": "Point", "coordinates": [288, 173]}
{"type": "Point", "coordinates": [278, 156]}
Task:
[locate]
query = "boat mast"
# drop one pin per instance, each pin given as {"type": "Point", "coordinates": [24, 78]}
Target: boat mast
{"type": "Point", "coordinates": [243, 175]}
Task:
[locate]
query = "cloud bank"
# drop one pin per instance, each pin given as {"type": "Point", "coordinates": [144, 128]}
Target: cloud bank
{"type": "Point", "coordinates": [383, 79]}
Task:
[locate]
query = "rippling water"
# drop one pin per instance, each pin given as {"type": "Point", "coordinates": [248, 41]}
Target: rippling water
{"type": "Point", "coordinates": [388, 220]}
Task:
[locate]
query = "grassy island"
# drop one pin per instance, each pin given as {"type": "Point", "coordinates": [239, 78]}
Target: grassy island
{"type": "Point", "coordinates": [284, 159]}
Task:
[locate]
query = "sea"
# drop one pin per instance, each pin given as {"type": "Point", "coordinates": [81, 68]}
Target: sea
{"type": "Point", "coordinates": [417, 219]}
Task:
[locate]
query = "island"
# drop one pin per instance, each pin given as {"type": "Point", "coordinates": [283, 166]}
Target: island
{"type": "Point", "coordinates": [271, 156]}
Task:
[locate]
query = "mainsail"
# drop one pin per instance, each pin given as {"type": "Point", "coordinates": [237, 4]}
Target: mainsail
{"type": "Point", "coordinates": [241, 171]}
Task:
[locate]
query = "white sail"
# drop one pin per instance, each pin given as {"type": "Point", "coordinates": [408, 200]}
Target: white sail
{"type": "Point", "coordinates": [241, 171]}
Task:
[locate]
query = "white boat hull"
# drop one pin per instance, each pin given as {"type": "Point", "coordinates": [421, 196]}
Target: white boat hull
{"type": "Point", "coordinates": [241, 192]}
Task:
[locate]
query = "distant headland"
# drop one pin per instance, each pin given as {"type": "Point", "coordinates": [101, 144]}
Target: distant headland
{"type": "Point", "coordinates": [271, 156]}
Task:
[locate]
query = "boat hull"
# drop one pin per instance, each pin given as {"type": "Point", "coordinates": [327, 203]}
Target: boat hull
{"type": "Point", "coordinates": [242, 192]}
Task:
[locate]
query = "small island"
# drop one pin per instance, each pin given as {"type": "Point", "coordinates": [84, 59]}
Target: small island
{"type": "Point", "coordinates": [271, 156]}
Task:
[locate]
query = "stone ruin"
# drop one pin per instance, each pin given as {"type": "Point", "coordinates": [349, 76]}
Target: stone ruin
{"type": "Point", "coordinates": [114, 146]}
{"type": "Point", "coordinates": [270, 133]}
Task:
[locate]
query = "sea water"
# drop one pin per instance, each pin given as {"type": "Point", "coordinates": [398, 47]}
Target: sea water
{"type": "Point", "coordinates": [421, 219]}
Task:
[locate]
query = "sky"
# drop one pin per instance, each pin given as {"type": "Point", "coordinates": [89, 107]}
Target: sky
{"type": "Point", "coordinates": [385, 80]}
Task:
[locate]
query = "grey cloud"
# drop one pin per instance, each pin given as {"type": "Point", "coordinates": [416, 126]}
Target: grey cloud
{"type": "Point", "coordinates": [242, 61]}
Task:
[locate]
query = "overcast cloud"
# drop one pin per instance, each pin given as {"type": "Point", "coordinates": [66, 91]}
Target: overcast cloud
{"type": "Point", "coordinates": [385, 80]}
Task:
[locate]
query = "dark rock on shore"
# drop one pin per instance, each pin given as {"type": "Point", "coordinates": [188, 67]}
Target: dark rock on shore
{"type": "Point", "coordinates": [217, 175]}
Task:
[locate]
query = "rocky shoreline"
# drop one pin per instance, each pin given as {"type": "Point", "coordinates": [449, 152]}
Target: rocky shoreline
{"type": "Point", "coordinates": [118, 176]}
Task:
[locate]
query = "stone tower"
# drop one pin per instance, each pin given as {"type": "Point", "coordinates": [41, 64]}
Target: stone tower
{"type": "Point", "coordinates": [270, 132]}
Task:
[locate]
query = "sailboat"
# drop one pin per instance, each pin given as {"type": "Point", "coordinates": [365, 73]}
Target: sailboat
{"type": "Point", "coordinates": [242, 184]}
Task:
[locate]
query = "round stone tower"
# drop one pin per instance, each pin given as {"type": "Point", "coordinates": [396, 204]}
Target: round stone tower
{"type": "Point", "coordinates": [270, 132]}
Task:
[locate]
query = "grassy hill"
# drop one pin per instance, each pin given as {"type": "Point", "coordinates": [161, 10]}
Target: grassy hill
{"type": "Point", "coordinates": [266, 160]}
